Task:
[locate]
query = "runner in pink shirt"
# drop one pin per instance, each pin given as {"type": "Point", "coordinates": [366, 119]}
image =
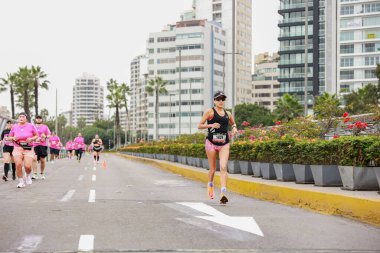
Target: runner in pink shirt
{"type": "Point", "coordinates": [78, 143]}
{"type": "Point", "coordinates": [55, 146]}
{"type": "Point", "coordinates": [40, 147]}
{"type": "Point", "coordinates": [23, 134]}
{"type": "Point", "coordinates": [7, 152]}
{"type": "Point", "coordinates": [70, 147]}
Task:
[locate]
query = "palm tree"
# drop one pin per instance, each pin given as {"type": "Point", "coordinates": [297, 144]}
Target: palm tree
{"type": "Point", "coordinates": [362, 100]}
{"type": "Point", "coordinates": [9, 82]}
{"type": "Point", "coordinates": [156, 86]}
{"type": "Point", "coordinates": [115, 100]}
{"type": "Point", "coordinates": [24, 89]}
{"type": "Point", "coordinates": [38, 75]}
{"type": "Point", "coordinates": [126, 91]}
{"type": "Point", "coordinates": [288, 108]}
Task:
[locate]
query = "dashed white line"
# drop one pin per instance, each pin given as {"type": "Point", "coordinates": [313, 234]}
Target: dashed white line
{"type": "Point", "coordinates": [94, 169]}
{"type": "Point", "coordinates": [68, 196]}
{"type": "Point", "coordinates": [80, 178]}
{"type": "Point", "coordinates": [91, 198]}
{"type": "Point", "coordinates": [86, 243]}
{"type": "Point", "coordinates": [29, 243]}
{"type": "Point", "coordinates": [94, 178]}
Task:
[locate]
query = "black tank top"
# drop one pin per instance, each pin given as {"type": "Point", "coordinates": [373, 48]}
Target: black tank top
{"type": "Point", "coordinates": [219, 136]}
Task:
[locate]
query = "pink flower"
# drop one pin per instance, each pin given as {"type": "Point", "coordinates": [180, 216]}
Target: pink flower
{"type": "Point", "coordinates": [336, 136]}
{"type": "Point", "coordinates": [351, 126]}
{"type": "Point", "coordinates": [345, 114]}
{"type": "Point", "coordinates": [347, 119]}
{"type": "Point", "coordinates": [278, 123]}
{"type": "Point", "coordinates": [245, 124]}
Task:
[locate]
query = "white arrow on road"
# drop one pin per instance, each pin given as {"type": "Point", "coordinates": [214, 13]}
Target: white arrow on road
{"type": "Point", "coordinates": [247, 224]}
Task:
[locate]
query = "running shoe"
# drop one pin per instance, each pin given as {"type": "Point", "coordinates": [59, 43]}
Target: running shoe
{"type": "Point", "coordinates": [5, 178]}
{"type": "Point", "coordinates": [21, 184]}
{"type": "Point", "coordinates": [28, 179]}
{"type": "Point", "coordinates": [43, 176]}
{"type": "Point", "coordinates": [210, 191]}
{"type": "Point", "coordinates": [35, 176]}
{"type": "Point", "coordinates": [223, 199]}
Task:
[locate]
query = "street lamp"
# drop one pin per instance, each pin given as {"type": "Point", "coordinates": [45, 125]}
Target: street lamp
{"type": "Point", "coordinates": [306, 52]}
{"type": "Point", "coordinates": [191, 102]}
{"type": "Point", "coordinates": [170, 115]}
{"type": "Point", "coordinates": [180, 84]}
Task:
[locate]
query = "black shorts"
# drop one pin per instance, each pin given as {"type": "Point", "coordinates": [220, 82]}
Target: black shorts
{"type": "Point", "coordinates": [54, 151]}
{"type": "Point", "coordinates": [78, 151]}
{"type": "Point", "coordinates": [41, 152]}
{"type": "Point", "coordinates": [97, 149]}
{"type": "Point", "coordinates": [7, 149]}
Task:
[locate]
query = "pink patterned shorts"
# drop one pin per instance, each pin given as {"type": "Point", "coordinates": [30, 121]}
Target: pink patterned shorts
{"type": "Point", "coordinates": [211, 147]}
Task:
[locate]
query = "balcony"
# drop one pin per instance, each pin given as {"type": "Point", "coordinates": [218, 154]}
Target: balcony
{"type": "Point", "coordinates": [295, 47]}
{"type": "Point", "coordinates": [295, 75]}
{"type": "Point", "coordinates": [284, 6]}
{"type": "Point", "coordinates": [294, 20]}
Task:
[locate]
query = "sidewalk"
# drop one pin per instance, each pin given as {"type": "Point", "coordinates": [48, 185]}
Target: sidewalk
{"type": "Point", "coordinates": [363, 206]}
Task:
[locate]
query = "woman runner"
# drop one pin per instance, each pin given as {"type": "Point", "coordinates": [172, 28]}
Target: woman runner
{"type": "Point", "coordinates": [218, 141]}
{"type": "Point", "coordinates": [97, 148]}
{"type": "Point", "coordinates": [23, 134]}
{"type": "Point", "coordinates": [55, 146]}
{"type": "Point", "coordinates": [78, 143]}
{"type": "Point", "coordinates": [7, 152]}
{"type": "Point", "coordinates": [69, 147]}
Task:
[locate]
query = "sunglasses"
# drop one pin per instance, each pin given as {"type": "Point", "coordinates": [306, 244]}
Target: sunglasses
{"type": "Point", "coordinates": [220, 99]}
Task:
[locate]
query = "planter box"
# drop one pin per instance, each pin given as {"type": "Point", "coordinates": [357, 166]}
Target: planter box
{"type": "Point", "coordinates": [377, 173]}
{"type": "Point", "coordinates": [198, 162]}
{"type": "Point", "coordinates": [173, 158]}
{"type": "Point", "coordinates": [160, 156]}
{"type": "Point", "coordinates": [303, 174]}
{"type": "Point", "coordinates": [267, 171]}
{"type": "Point", "coordinates": [181, 159]}
{"type": "Point", "coordinates": [245, 168]}
{"type": "Point", "coordinates": [190, 161]}
{"type": "Point", "coordinates": [233, 167]}
{"type": "Point", "coordinates": [205, 164]}
{"type": "Point", "coordinates": [358, 178]}
{"type": "Point", "coordinates": [256, 169]}
{"type": "Point", "coordinates": [166, 157]}
{"type": "Point", "coordinates": [284, 172]}
{"type": "Point", "coordinates": [326, 175]}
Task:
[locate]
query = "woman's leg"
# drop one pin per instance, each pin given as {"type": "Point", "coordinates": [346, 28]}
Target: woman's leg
{"type": "Point", "coordinates": [224, 154]}
{"type": "Point", "coordinates": [7, 162]}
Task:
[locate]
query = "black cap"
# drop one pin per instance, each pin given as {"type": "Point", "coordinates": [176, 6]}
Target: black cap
{"type": "Point", "coordinates": [9, 122]}
{"type": "Point", "coordinates": [38, 117]}
{"type": "Point", "coordinates": [219, 94]}
{"type": "Point", "coordinates": [23, 113]}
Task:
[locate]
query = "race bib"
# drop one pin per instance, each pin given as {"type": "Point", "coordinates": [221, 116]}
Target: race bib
{"type": "Point", "coordinates": [219, 138]}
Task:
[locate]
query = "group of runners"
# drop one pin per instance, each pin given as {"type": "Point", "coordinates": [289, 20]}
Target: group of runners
{"type": "Point", "coordinates": [25, 145]}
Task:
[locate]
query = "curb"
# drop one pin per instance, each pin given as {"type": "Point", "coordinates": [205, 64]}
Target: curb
{"type": "Point", "coordinates": [366, 210]}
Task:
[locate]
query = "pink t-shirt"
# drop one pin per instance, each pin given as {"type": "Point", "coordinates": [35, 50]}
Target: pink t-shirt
{"type": "Point", "coordinates": [23, 132]}
{"type": "Point", "coordinates": [54, 142]}
{"type": "Point", "coordinates": [8, 143]}
{"type": "Point", "coordinates": [41, 129]}
{"type": "Point", "coordinates": [69, 145]}
{"type": "Point", "coordinates": [78, 142]}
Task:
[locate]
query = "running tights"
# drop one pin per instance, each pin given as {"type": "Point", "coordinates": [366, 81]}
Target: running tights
{"type": "Point", "coordinates": [96, 158]}
{"type": "Point", "coordinates": [6, 169]}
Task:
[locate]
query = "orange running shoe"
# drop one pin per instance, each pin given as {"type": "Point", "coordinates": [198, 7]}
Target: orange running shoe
{"type": "Point", "coordinates": [210, 191]}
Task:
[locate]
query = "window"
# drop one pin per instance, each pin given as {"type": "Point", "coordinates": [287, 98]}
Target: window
{"type": "Point", "coordinates": [262, 86]}
{"type": "Point", "coordinates": [347, 49]}
{"type": "Point", "coordinates": [371, 21]}
{"type": "Point", "coordinates": [371, 60]}
{"type": "Point", "coordinates": [370, 74]}
{"type": "Point", "coordinates": [165, 39]}
{"type": "Point", "coordinates": [189, 36]}
{"type": "Point", "coordinates": [190, 47]}
{"type": "Point", "coordinates": [151, 40]}
{"type": "Point", "coordinates": [373, 7]}
{"type": "Point", "coordinates": [166, 50]}
{"type": "Point", "coordinates": [347, 62]}
{"type": "Point", "coordinates": [347, 10]}
{"type": "Point", "coordinates": [346, 75]}
{"type": "Point", "coordinates": [345, 36]}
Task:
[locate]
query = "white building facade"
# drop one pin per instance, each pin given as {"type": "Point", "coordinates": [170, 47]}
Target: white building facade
{"type": "Point", "coordinates": [88, 99]}
{"type": "Point", "coordinates": [221, 11]}
{"type": "Point", "coordinates": [198, 47]}
{"type": "Point", "coordinates": [359, 43]}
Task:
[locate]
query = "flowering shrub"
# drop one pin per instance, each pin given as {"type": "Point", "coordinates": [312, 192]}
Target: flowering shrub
{"type": "Point", "coordinates": [357, 127]}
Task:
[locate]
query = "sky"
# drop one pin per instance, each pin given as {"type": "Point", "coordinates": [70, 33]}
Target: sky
{"type": "Point", "coordinates": [69, 37]}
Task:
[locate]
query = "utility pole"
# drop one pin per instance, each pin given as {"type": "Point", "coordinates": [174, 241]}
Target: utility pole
{"type": "Point", "coordinates": [191, 91]}
{"type": "Point", "coordinates": [56, 111]}
{"type": "Point", "coordinates": [180, 84]}
{"type": "Point", "coordinates": [306, 51]}
{"type": "Point", "coordinates": [233, 62]}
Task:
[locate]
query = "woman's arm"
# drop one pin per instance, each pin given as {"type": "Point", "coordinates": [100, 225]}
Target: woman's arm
{"type": "Point", "coordinates": [202, 124]}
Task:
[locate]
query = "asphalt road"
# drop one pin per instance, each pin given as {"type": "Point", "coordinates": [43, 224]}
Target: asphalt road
{"type": "Point", "coordinates": [134, 207]}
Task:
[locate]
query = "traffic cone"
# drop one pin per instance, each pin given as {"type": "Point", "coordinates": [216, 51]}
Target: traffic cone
{"type": "Point", "coordinates": [104, 164]}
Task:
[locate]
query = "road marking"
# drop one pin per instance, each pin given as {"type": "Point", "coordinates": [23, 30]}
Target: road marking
{"type": "Point", "coordinates": [91, 198]}
{"type": "Point", "coordinates": [94, 169]}
{"type": "Point", "coordinates": [80, 178]}
{"type": "Point", "coordinates": [94, 178]}
{"type": "Point", "coordinates": [85, 168]}
{"type": "Point", "coordinates": [68, 196]}
{"type": "Point", "coordinates": [247, 224]}
{"type": "Point", "coordinates": [86, 243]}
{"type": "Point", "coordinates": [30, 243]}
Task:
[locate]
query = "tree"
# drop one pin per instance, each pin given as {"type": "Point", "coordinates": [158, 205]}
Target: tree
{"type": "Point", "coordinates": [126, 91]}
{"type": "Point", "coordinates": [81, 123]}
{"type": "Point", "coordinates": [254, 114]}
{"type": "Point", "coordinates": [156, 86]}
{"type": "Point", "coordinates": [362, 100]}
{"type": "Point", "coordinates": [6, 83]}
{"type": "Point", "coordinates": [103, 124]}
{"type": "Point", "coordinates": [327, 110]}
{"type": "Point", "coordinates": [24, 89]}
{"type": "Point", "coordinates": [288, 108]}
{"type": "Point", "coordinates": [115, 100]}
{"type": "Point", "coordinates": [37, 76]}
{"type": "Point", "coordinates": [44, 114]}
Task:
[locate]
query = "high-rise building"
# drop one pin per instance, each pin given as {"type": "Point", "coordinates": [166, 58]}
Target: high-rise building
{"type": "Point", "coordinates": [68, 116]}
{"type": "Point", "coordinates": [265, 85]}
{"type": "Point", "coordinates": [321, 48]}
{"type": "Point", "coordinates": [359, 43]}
{"type": "Point", "coordinates": [138, 106]}
{"type": "Point", "coordinates": [88, 99]}
{"type": "Point", "coordinates": [189, 57]}
{"type": "Point", "coordinates": [4, 112]}
{"type": "Point", "coordinates": [221, 11]}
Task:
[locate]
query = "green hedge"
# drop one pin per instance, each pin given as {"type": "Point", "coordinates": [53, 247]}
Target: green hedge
{"type": "Point", "coordinates": [355, 151]}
